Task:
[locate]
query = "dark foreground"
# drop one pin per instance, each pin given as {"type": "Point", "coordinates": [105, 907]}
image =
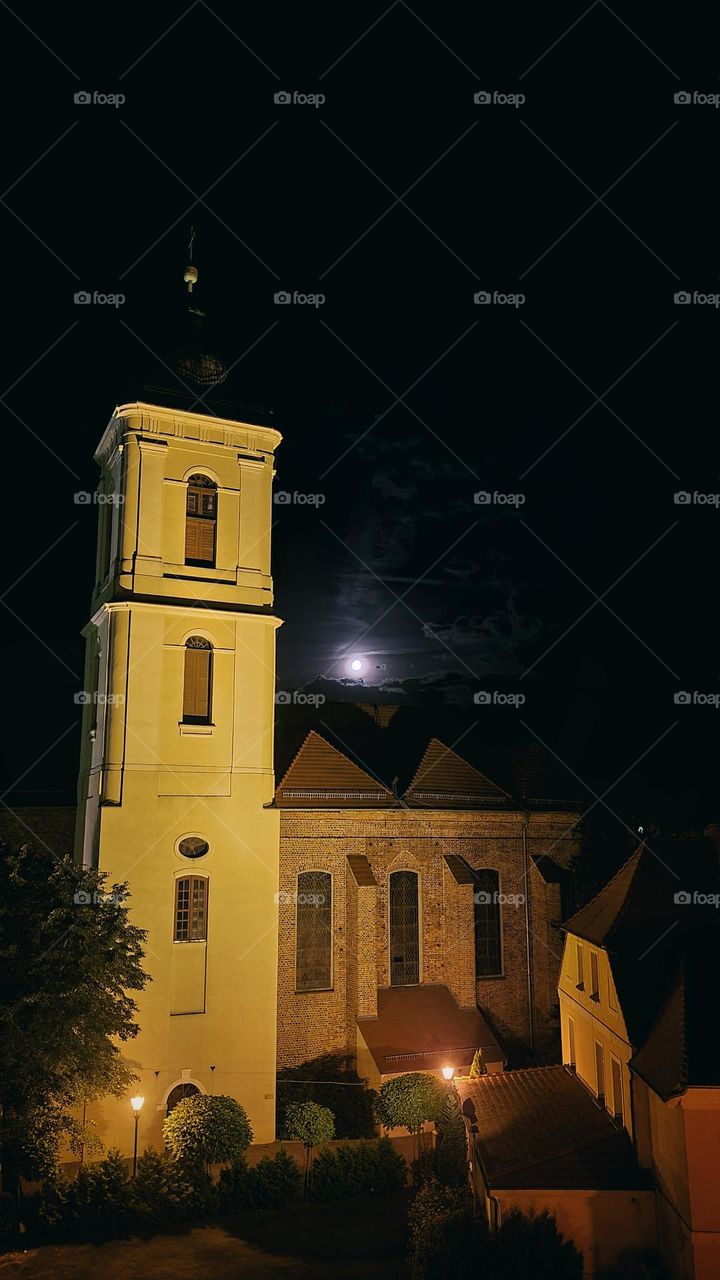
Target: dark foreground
{"type": "Point", "coordinates": [349, 1240]}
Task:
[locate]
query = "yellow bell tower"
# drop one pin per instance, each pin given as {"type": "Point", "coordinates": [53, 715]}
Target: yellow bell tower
{"type": "Point", "coordinates": [176, 778]}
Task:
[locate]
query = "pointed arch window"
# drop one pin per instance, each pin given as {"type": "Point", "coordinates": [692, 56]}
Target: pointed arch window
{"type": "Point", "coordinates": [488, 927]}
{"type": "Point", "coordinates": [197, 683]}
{"type": "Point", "coordinates": [313, 948]}
{"type": "Point", "coordinates": [201, 521]}
{"type": "Point", "coordinates": [404, 928]}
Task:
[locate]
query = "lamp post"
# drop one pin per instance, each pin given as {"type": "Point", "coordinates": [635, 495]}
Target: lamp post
{"type": "Point", "coordinates": [448, 1073]}
{"type": "Point", "coordinates": [136, 1104]}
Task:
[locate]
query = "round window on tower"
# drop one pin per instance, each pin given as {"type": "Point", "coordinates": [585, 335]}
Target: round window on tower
{"type": "Point", "coordinates": [193, 847]}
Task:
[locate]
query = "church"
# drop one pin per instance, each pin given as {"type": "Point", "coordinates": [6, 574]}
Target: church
{"type": "Point", "coordinates": [350, 879]}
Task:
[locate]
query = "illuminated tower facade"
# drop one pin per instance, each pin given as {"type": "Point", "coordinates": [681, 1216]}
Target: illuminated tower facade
{"type": "Point", "coordinates": [176, 781]}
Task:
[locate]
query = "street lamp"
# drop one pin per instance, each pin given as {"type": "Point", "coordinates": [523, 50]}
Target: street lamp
{"type": "Point", "coordinates": [136, 1104]}
{"type": "Point", "coordinates": [448, 1072]}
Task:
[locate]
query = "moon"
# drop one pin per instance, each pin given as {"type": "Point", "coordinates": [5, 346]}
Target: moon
{"type": "Point", "coordinates": [356, 665]}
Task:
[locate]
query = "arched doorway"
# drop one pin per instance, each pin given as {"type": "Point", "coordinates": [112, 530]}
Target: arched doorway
{"type": "Point", "coordinates": [185, 1090]}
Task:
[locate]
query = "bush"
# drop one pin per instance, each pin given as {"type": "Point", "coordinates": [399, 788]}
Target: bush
{"type": "Point", "coordinates": [451, 1162]}
{"type": "Point", "coordinates": [313, 1081]}
{"type": "Point", "coordinates": [8, 1219]}
{"type": "Point", "coordinates": [99, 1199]}
{"type": "Point", "coordinates": [530, 1247]}
{"type": "Point", "coordinates": [309, 1123]}
{"type": "Point", "coordinates": [204, 1130]}
{"type": "Point", "coordinates": [162, 1193]}
{"type": "Point", "coordinates": [272, 1184]}
{"type": "Point", "coordinates": [444, 1239]}
{"type": "Point", "coordinates": [364, 1168]}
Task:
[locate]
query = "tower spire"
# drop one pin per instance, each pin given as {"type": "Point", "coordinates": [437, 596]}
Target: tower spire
{"type": "Point", "coordinates": [191, 272]}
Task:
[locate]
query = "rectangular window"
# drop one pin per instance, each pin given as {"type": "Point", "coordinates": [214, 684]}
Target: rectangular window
{"type": "Point", "coordinates": [600, 1072]}
{"type": "Point", "coordinates": [594, 977]}
{"type": "Point", "coordinates": [191, 909]}
{"type": "Point", "coordinates": [488, 926]}
{"type": "Point", "coordinates": [580, 969]}
{"type": "Point", "coordinates": [617, 1089]}
{"type": "Point", "coordinates": [571, 1043]}
{"type": "Point", "coordinates": [612, 1001]}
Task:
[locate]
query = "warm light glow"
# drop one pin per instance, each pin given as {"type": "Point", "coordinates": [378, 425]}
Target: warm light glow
{"type": "Point", "coordinates": [448, 1072]}
{"type": "Point", "coordinates": [356, 665]}
{"type": "Point", "coordinates": [136, 1103]}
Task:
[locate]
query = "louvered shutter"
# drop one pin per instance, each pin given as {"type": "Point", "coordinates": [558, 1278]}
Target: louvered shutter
{"type": "Point", "coordinates": [206, 532]}
{"type": "Point", "coordinates": [196, 692]}
{"type": "Point", "coordinates": [192, 538]}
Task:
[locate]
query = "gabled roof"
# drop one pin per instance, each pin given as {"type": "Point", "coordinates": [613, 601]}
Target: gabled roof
{"type": "Point", "coordinates": [423, 1028]}
{"type": "Point", "coordinates": [444, 780]}
{"type": "Point", "coordinates": [682, 1050]}
{"type": "Point", "coordinates": [322, 775]}
{"type": "Point", "coordinates": [541, 1128]}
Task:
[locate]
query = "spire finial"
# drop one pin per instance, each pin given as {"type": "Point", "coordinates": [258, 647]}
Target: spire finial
{"type": "Point", "coordinates": [191, 271]}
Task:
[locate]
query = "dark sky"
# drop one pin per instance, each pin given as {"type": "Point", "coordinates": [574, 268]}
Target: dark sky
{"type": "Point", "coordinates": [398, 199]}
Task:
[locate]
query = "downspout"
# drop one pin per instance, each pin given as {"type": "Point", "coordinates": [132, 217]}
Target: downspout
{"type": "Point", "coordinates": [528, 948]}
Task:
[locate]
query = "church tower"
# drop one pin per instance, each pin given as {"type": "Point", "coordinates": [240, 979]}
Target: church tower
{"type": "Point", "coordinates": [176, 778]}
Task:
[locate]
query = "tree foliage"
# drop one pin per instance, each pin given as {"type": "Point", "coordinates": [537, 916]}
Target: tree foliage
{"type": "Point", "coordinates": [408, 1101]}
{"type": "Point", "coordinates": [451, 1162]}
{"type": "Point", "coordinates": [69, 959]}
{"type": "Point", "coordinates": [309, 1123]}
{"type": "Point", "coordinates": [326, 1080]}
{"type": "Point", "coordinates": [477, 1066]}
{"type": "Point", "coordinates": [204, 1130]}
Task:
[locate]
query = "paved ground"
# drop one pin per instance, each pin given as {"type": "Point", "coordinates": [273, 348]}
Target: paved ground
{"type": "Point", "coordinates": [348, 1240]}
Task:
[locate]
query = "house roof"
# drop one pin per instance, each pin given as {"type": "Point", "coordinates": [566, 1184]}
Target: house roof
{"type": "Point", "coordinates": [542, 1128]}
{"type": "Point", "coordinates": [682, 1049]}
{"type": "Point", "coordinates": [423, 1028]}
{"type": "Point", "coordinates": [444, 780]}
{"type": "Point", "coordinates": [320, 774]}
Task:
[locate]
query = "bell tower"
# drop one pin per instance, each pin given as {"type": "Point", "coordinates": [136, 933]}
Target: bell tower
{"type": "Point", "coordinates": [176, 777]}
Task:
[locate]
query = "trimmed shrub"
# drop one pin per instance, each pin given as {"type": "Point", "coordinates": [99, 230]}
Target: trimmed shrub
{"type": "Point", "coordinates": [409, 1100]}
{"type": "Point", "coordinates": [205, 1130]}
{"type": "Point", "coordinates": [365, 1168]}
{"type": "Point", "coordinates": [273, 1183]}
{"type": "Point", "coordinates": [162, 1194]}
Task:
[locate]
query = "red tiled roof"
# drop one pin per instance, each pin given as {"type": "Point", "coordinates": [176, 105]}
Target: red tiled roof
{"type": "Point", "coordinates": [322, 775]}
{"type": "Point", "coordinates": [423, 1028]}
{"type": "Point", "coordinates": [443, 779]}
{"type": "Point", "coordinates": [542, 1128]}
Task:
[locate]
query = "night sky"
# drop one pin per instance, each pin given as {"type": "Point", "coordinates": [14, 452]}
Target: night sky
{"type": "Point", "coordinates": [399, 198]}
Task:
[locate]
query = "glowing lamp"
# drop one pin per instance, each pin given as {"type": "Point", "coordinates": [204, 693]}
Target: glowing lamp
{"type": "Point", "coordinates": [448, 1073]}
{"type": "Point", "coordinates": [136, 1104]}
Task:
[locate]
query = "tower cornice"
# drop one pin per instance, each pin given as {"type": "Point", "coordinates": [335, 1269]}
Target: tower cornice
{"type": "Point", "coordinates": [141, 418]}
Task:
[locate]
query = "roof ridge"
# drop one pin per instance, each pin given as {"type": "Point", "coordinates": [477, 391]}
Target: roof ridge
{"type": "Point", "coordinates": [450, 754]}
{"type": "Point", "coordinates": [603, 892]}
{"type": "Point", "coordinates": [313, 738]}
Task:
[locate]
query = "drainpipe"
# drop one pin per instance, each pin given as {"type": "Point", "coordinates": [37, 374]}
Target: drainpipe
{"type": "Point", "coordinates": [528, 948]}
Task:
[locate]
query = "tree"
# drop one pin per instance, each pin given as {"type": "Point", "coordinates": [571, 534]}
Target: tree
{"type": "Point", "coordinates": [477, 1066]}
{"type": "Point", "coordinates": [205, 1130]}
{"type": "Point", "coordinates": [314, 1081]}
{"type": "Point", "coordinates": [69, 959]}
{"type": "Point", "coordinates": [311, 1124]}
{"type": "Point", "coordinates": [408, 1101]}
{"type": "Point", "coordinates": [451, 1163]}
{"type": "Point", "coordinates": [530, 1247]}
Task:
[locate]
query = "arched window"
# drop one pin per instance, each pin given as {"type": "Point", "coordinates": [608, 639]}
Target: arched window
{"type": "Point", "coordinates": [178, 1093]}
{"type": "Point", "coordinates": [197, 684]}
{"type": "Point", "coordinates": [200, 521]}
{"type": "Point", "coordinates": [191, 909]}
{"type": "Point", "coordinates": [488, 930]}
{"type": "Point", "coordinates": [404, 929]}
{"type": "Point", "coordinates": [313, 950]}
